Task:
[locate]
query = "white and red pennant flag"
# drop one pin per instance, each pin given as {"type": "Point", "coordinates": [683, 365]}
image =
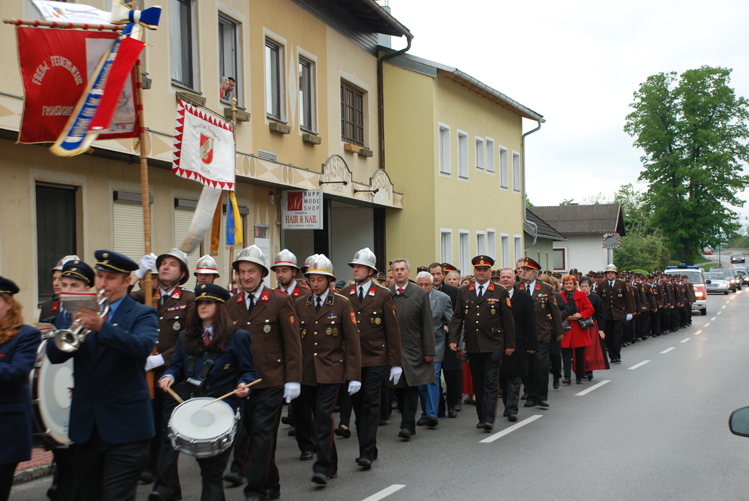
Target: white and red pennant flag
{"type": "Point", "coordinates": [203, 151]}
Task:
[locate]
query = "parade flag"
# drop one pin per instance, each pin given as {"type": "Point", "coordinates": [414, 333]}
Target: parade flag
{"type": "Point", "coordinates": [233, 222]}
{"type": "Point", "coordinates": [56, 66]}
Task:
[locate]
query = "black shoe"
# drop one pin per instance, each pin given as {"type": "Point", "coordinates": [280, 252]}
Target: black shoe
{"type": "Point", "coordinates": [405, 434]}
{"type": "Point", "coordinates": [590, 377]}
{"type": "Point", "coordinates": [618, 361]}
{"type": "Point", "coordinates": [452, 413]}
{"type": "Point", "coordinates": [480, 425]}
{"type": "Point", "coordinates": [566, 380]}
{"type": "Point", "coordinates": [342, 432]}
{"type": "Point", "coordinates": [321, 479]}
{"type": "Point", "coordinates": [234, 478]}
{"type": "Point", "coordinates": [287, 420]}
{"type": "Point", "coordinates": [52, 491]}
{"type": "Point", "coordinates": [383, 422]}
{"type": "Point", "coordinates": [470, 401]}
{"type": "Point", "coordinates": [524, 397]}
{"type": "Point", "coordinates": [458, 407]}
{"type": "Point", "coordinates": [543, 404]}
{"type": "Point", "coordinates": [530, 403]}
{"type": "Point", "coordinates": [147, 477]}
{"type": "Point", "coordinates": [579, 380]}
{"type": "Point", "coordinates": [432, 422]}
{"type": "Point", "coordinates": [274, 494]}
{"type": "Point", "coordinates": [512, 418]}
{"type": "Point", "coordinates": [365, 463]}
{"type": "Point", "coordinates": [156, 496]}
{"type": "Point", "coordinates": [421, 422]}
{"type": "Point", "coordinates": [487, 426]}
{"type": "Point", "coordinates": [306, 456]}
{"type": "Point", "coordinates": [556, 383]}
{"type": "Point", "coordinates": [505, 414]}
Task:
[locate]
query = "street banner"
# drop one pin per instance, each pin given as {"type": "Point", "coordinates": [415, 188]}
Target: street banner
{"type": "Point", "coordinates": [56, 66]}
{"type": "Point", "coordinates": [203, 148]}
{"type": "Point", "coordinates": [71, 12]}
{"type": "Point", "coordinates": [301, 210]}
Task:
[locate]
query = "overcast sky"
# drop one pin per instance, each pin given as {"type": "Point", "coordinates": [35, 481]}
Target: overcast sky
{"type": "Point", "coordinates": [577, 63]}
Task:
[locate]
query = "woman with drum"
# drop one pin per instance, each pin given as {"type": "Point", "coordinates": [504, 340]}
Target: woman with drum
{"type": "Point", "coordinates": [213, 358]}
{"type": "Point", "coordinates": [18, 345]}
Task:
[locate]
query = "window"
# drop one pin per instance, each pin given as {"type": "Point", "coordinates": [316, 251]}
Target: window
{"type": "Point", "coordinates": [446, 246]}
{"type": "Point", "coordinates": [516, 172]}
{"type": "Point", "coordinates": [228, 54]}
{"type": "Point", "coordinates": [462, 155]}
{"type": "Point", "coordinates": [128, 228]}
{"type": "Point", "coordinates": [505, 242]}
{"type": "Point", "coordinates": [559, 259]}
{"type": "Point", "coordinates": [489, 156]}
{"type": "Point", "coordinates": [480, 243]}
{"type": "Point", "coordinates": [518, 241]}
{"type": "Point", "coordinates": [273, 79]}
{"type": "Point", "coordinates": [464, 247]}
{"type": "Point", "coordinates": [352, 114]}
{"type": "Point", "coordinates": [306, 94]}
{"type": "Point", "coordinates": [182, 220]}
{"type": "Point", "coordinates": [479, 154]}
{"type": "Point", "coordinates": [503, 176]}
{"type": "Point", "coordinates": [444, 153]}
{"type": "Point", "coordinates": [55, 231]}
{"type": "Point", "coordinates": [491, 244]}
{"type": "Point", "coordinates": [182, 42]}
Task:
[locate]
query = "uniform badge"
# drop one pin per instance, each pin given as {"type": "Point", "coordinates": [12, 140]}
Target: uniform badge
{"type": "Point", "coordinates": [466, 311]}
{"type": "Point", "coordinates": [304, 332]}
{"type": "Point", "coordinates": [494, 311]}
{"type": "Point", "coordinates": [226, 367]}
{"type": "Point", "coordinates": [394, 310]}
{"type": "Point", "coordinates": [371, 321]}
{"type": "Point", "coordinates": [328, 331]}
{"type": "Point", "coordinates": [291, 318]}
{"type": "Point", "coordinates": [177, 326]}
{"type": "Point", "coordinates": [509, 304]}
{"type": "Point", "coordinates": [353, 318]}
{"type": "Point", "coordinates": [378, 321]}
{"type": "Point", "coordinates": [266, 328]}
{"type": "Point", "coordinates": [335, 331]}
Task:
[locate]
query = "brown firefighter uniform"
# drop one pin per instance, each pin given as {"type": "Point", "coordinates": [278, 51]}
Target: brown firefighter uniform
{"type": "Point", "coordinates": [616, 301]}
{"type": "Point", "coordinates": [487, 322]}
{"type": "Point", "coordinates": [275, 342]}
{"type": "Point", "coordinates": [545, 304]}
{"type": "Point", "coordinates": [378, 328]}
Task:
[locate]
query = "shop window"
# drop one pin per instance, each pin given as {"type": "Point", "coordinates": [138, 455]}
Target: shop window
{"type": "Point", "coordinates": [55, 231]}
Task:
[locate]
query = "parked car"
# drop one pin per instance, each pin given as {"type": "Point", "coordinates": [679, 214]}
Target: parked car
{"type": "Point", "coordinates": [717, 283]}
{"type": "Point", "coordinates": [743, 274]}
{"type": "Point", "coordinates": [737, 257]}
{"type": "Point", "coordinates": [695, 274]}
{"type": "Point", "coordinates": [730, 279]}
{"type": "Point", "coordinates": [707, 252]}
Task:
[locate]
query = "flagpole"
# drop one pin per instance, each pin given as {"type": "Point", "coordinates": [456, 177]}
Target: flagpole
{"type": "Point", "coordinates": [234, 131]}
{"type": "Point", "coordinates": [64, 26]}
{"type": "Point", "coordinates": [146, 199]}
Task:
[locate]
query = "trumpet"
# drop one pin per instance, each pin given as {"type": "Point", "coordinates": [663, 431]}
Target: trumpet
{"type": "Point", "coordinates": [69, 340]}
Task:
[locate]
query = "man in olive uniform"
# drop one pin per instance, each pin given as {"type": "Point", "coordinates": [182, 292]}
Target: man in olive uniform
{"type": "Point", "coordinates": [268, 315]}
{"type": "Point", "coordinates": [51, 307]}
{"type": "Point", "coordinates": [548, 324]}
{"type": "Point", "coordinates": [484, 310]}
{"type": "Point", "coordinates": [617, 306]}
{"type": "Point", "coordinates": [331, 355]}
{"type": "Point", "coordinates": [173, 303]}
{"type": "Point", "coordinates": [380, 350]}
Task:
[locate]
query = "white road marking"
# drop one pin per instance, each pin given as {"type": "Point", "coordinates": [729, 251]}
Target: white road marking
{"type": "Point", "coordinates": [639, 365]}
{"type": "Point", "coordinates": [713, 318]}
{"type": "Point", "coordinates": [594, 387]}
{"type": "Point", "coordinates": [667, 350]}
{"type": "Point", "coordinates": [698, 333]}
{"type": "Point", "coordinates": [384, 492]}
{"type": "Point", "coordinates": [720, 312]}
{"type": "Point", "coordinates": [685, 339]}
{"type": "Point", "coordinates": [707, 324]}
{"type": "Point", "coordinates": [723, 307]}
{"type": "Point", "coordinates": [728, 301]}
{"type": "Point", "coordinates": [509, 430]}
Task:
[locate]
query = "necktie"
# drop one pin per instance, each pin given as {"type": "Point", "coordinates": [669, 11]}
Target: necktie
{"type": "Point", "coordinates": [481, 291]}
{"type": "Point", "coordinates": [361, 294]}
{"type": "Point", "coordinates": [252, 304]}
{"type": "Point", "coordinates": [400, 291]}
{"type": "Point", "coordinates": [611, 284]}
{"type": "Point", "coordinates": [206, 338]}
{"type": "Point", "coordinates": [318, 304]}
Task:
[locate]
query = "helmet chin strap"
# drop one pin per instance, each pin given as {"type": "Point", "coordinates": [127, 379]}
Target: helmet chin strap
{"type": "Point", "coordinates": [367, 279]}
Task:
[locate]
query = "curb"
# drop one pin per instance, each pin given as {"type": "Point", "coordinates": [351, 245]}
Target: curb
{"type": "Point", "coordinates": [33, 473]}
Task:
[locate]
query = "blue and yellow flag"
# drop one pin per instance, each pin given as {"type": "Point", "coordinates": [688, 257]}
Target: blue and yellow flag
{"type": "Point", "coordinates": [233, 222]}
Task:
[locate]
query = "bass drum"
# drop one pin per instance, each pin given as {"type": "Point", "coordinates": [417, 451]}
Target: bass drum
{"type": "Point", "coordinates": [51, 393]}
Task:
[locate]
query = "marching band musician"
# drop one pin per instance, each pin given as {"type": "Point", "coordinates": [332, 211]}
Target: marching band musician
{"type": "Point", "coordinates": [213, 357]}
{"type": "Point", "coordinates": [269, 317]}
{"type": "Point", "coordinates": [51, 307]}
{"type": "Point", "coordinates": [331, 355]}
{"type": "Point", "coordinates": [206, 271]}
{"type": "Point", "coordinates": [111, 419]}
{"type": "Point", "coordinates": [18, 345]}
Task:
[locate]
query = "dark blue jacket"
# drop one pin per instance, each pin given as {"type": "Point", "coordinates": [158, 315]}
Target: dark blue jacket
{"type": "Point", "coordinates": [110, 390]}
{"type": "Point", "coordinates": [17, 358]}
{"type": "Point", "coordinates": [232, 367]}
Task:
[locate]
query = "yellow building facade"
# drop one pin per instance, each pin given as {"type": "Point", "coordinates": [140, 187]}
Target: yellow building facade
{"type": "Point", "coordinates": [454, 148]}
{"type": "Point", "coordinates": [296, 66]}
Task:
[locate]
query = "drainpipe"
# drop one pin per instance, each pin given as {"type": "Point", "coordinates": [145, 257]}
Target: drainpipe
{"type": "Point", "coordinates": [381, 98]}
{"type": "Point", "coordinates": [525, 215]}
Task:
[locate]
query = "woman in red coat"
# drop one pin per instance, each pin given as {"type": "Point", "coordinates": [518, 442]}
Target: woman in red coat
{"type": "Point", "coordinates": [577, 339]}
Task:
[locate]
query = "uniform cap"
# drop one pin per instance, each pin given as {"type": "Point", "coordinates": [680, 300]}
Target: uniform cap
{"type": "Point", "coordinates": [482, 261]}
{"type": "Point", "coordinates": [80, 270]}
{"type": "Point", "coordinates": [611, 267]}
{"type": "Point", "coordinates": [252, 254]}
{"type": "Point", "coordinates": [285, 258]}
{"type": "Point", "coordinates": [211, 292]}
{"type": "Point", "coordinates": [8, 287]}
{"type": "Point", "coordinates": [365, 257]}
{"type": "Point", "coordinates": [207, 266]}
{"type": "Point", "coordinates": [530, 263]}
{"type": "Point", "coordinates": [114, 262]}
{"type": "Point", "coordinates": [61, 262]}
{"type": "Point", "coordinates": [321, 265]}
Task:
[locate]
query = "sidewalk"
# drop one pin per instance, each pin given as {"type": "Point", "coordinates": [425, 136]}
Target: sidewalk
{"type": "Point", "coordinates": [38, 466]}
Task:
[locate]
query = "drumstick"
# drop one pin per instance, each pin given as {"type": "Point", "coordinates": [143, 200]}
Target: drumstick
{"type": "Point", "coordinates": [231, 393]}
{"type": "Point", "coordinates": [174, 395]}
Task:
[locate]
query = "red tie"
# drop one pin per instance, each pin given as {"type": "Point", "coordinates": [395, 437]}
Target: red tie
{"type": "Point", "coordinates": [206, 338]}
{"type": "Point", "coordinates": [400, 291]}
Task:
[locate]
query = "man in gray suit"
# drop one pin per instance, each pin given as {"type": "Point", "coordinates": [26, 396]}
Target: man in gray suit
{"type": "Point", "coordinates": [414, 316]}
{"type": "Point", "coordinates": [442, 313]}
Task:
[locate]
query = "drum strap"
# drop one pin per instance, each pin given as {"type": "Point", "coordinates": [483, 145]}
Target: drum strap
{"type": "Point", "coordinates": [196, 385]}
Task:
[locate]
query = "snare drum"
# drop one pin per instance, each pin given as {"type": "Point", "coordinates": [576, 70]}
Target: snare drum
{"type": "Point", "coordinates": [51, 393]}
{"type": "Point", "coordinates": [202, 432]}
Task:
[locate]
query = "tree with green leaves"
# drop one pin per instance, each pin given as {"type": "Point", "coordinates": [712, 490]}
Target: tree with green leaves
{"type": "Point", "coordinates": [693, 131]}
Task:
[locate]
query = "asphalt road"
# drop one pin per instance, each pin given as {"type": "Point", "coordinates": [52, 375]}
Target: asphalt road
{"type": "Point", "coordinates": [654, 427]}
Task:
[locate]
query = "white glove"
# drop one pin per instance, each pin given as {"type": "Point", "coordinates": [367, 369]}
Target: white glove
{"type": "Point", "coordinates": [629, 317]}
{"type": "Point", "coordinates": [395, 374]}
{"type": "Point", "coordinates": [153, 362]}
{"type": "Point", "coordinates": [291, 391]}
{"type": "Point", "coordinates": [353, 387]}
{"type": "Point", "coordinates": [147, 264]}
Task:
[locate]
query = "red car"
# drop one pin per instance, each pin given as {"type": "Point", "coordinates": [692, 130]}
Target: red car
{"type": "Point", "coordinates": [707, 252]}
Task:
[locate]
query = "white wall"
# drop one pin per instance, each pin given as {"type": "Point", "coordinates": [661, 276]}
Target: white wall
{"type": "Point", "coordinates": [352, 229]}
{"type": "Point", "coordinates": [584, 252]}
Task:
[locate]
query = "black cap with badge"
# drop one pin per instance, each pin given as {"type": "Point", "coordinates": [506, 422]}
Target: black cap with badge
{"type": "Point", "coordinates": [114, 262]}
{"type": "Point", "coordinates": [8, 287]}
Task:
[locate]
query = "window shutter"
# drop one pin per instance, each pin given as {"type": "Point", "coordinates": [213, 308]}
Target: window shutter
{"type": "Point", "coordinates": [128, 230]}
